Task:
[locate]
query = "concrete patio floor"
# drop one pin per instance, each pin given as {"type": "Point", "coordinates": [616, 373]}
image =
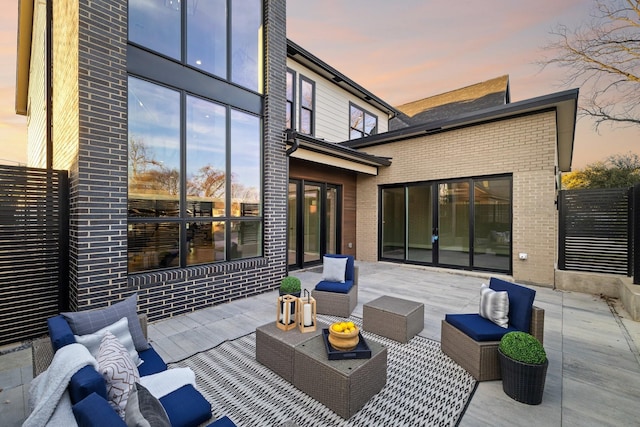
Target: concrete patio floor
{"type": "Point", "coordinates": [592, 346]}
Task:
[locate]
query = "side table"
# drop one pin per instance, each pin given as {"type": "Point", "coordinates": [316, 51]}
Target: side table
{"type": "Point", "coordinates": [395, 318]}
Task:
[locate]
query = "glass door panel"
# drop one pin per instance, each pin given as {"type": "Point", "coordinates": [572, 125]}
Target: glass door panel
{"type": "Point", "coordinates": [453, 223]}
{"type": "Point", "coordinates": [492, 224]}
{"type": "Point", "coordinates": [393, 223]}
{"type": "Point", "coordinates": [292, 224]}
{"type": "Point", "coordinates": [331, 229]}
{"type": "Point", "coordinates": [312, 218]}
{"type": "Point", "coordinates": [419, 224]}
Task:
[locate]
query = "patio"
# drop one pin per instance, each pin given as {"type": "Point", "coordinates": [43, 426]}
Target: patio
{"type": "Point", "coordinates": [592, 346]}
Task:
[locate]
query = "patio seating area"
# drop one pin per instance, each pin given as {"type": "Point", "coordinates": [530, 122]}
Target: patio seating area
{"type": "Point", "coordinates": [592, 346]}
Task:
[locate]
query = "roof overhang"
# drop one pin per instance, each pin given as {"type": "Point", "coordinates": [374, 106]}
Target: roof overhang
{"type": "Point", "coordinates": [305, 147]}
{"type": "Point", "coordinates": [320, 67]}
{"type": "Point", "coordinates": [565, 105]}
{"type": "Point", "coordinates": [23, 57]}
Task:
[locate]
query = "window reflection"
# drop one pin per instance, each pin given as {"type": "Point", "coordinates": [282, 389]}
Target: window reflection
{"type": "Point", "coordinates": [306, 106]}
{"type": "Point", "coordinates": [246, 43]}
{"type": "Point", "coordinates": [153, 246]}
{"type": "Point", "coordinates": [207, 37]}
{"type": "Point", "coordinates": [155, 24]}
{"type": "Point", "coordinates": [154, 150]}
{"type": "Point", "coordinates": [246, 238]}
{"type": "Point", "coordinates": [245, 164]}
{"type": "Point", "coordinates": [206, 158]}
{"type": "Point", "coordinates": [206, 242]}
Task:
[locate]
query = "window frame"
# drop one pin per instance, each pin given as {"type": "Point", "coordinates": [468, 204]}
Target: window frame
{"type": "Point", "coordinates": [365, 112]}
{"type": "Point", "coordinates": [292, 101]}
{"type": "Point", "coordinates": [312, 110]}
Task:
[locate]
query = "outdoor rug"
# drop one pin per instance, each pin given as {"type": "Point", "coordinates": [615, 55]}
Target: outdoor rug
{"type": "Point", "coordinates": [424, 387]}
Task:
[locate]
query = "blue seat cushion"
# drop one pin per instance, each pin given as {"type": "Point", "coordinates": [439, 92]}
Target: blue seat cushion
{"type": "Point", "coordinates": [520, 303]}
{"type": "Point", "coordinates": [153, 363]}
{"type": "Point", "coordinates": [186, 407]}
{"type": "Point", "coordinates": [60, 332]}
{"type": "Point", "coordinates": [95, 411]}
{"type": "Point", "coordinates": [222, 422]}
{"type": "Point", "coordinates": [477, 327]}
{"type": "Point", "coordinates": [342, 288]}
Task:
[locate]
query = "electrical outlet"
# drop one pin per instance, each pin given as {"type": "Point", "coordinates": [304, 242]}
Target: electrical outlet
{"type": "Point", "coordinates": [523, 255]}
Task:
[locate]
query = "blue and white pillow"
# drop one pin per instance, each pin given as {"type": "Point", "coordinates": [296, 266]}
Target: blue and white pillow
{"type": "Point", "coordinates": [494, 306]}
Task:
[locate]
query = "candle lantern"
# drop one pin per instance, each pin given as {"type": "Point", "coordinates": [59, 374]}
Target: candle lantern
{"type": "Point", "coordinates": [286, 312]}
{"type": "Point", "coordinates": [306, 309]}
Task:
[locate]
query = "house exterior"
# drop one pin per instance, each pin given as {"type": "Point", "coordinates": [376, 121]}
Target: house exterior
{"type": "Point", "coordinates": [207, 160]}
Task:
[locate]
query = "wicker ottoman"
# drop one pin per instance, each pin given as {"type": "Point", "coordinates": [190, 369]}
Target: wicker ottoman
{"type": "Point", "coordinates": [395, 318]}
{"type": "Point", "coordinates": [344, 386]}
{"type": "Point", "coordinates": [275, 347]}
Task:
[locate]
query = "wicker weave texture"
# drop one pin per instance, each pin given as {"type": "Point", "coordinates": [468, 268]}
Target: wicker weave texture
{"type": "Point", "coordinates": [275, 348]}
{"type": "Point", "coordinates": [42, 350]}
{"type": "Point", "coordinates": [335, 303]}
{"type": "Point", "coordinates": [480, 358]}
{"type": "Point", "coordinates": [344, 386]}
{"type": "Point", "coordinates": [395, 318]}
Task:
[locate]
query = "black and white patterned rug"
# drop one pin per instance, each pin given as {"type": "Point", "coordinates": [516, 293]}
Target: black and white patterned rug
{"type": "Point", "coordinates": [424, 387]}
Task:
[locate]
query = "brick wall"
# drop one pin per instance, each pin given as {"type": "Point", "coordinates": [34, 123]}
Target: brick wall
{"type": "Point", "coordinates": [523, 146]}
{"type": "Point", "coordinates": [90, 140]}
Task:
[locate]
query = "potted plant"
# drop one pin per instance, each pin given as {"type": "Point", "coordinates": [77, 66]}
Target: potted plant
{"type": "Point", "coordinates": [523, 364]}
{"type": "Point", "coordinates": [290, 285]}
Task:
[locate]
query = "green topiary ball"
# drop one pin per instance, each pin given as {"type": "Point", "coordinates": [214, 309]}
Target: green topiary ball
{"type": "Point", "coordinates": [290, 285]}
{"type": "Point", "coordinates": [523, 347]}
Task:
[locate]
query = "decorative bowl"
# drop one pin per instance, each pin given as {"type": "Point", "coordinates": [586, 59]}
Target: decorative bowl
{"type": "Point", "coordinates": [344, 339]}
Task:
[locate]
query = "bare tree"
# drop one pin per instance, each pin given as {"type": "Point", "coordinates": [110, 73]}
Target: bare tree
{"type": "Point", "coordinates": [603, 58]}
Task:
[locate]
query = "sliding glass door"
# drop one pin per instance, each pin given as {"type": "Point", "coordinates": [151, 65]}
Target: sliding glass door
{"type": "Point", "coordinates": [464, 223]}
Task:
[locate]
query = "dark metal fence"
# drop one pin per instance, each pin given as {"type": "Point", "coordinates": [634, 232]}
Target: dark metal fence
{"type": "Point", "coordinates": [595, 230]}
{"type": "Point", "coordinates": [33, 250]}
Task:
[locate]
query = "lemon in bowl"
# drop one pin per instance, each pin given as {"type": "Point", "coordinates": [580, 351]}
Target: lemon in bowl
{"type": "Point", "coordinates": [344, 336]}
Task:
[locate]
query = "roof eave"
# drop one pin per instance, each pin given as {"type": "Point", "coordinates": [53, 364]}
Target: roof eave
{"type": "Point", "coordinates": [23, 57]}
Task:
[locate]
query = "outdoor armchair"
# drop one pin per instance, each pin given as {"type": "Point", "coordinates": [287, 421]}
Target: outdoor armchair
{"type": "Point", "coordinates": [472, 340]}
{"type": "Point", "coordinates": [337, 293]}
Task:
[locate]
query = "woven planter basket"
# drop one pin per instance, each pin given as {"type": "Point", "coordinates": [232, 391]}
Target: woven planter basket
{"type": "Point", "coordinates": [521, 381]}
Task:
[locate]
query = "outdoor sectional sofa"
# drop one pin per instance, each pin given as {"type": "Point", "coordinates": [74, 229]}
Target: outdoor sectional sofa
{"type": "Point", "coordinates": [184, 406]}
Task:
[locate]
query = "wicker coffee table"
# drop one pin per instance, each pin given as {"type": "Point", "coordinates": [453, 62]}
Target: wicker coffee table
{"type": "Point", "coordinates": [392, 317]}
{"type": "Point", "coordinates": [343, 386]}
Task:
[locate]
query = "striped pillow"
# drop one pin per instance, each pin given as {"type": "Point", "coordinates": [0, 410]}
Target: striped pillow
{"type": "Point", "coordinates": [494, 306]}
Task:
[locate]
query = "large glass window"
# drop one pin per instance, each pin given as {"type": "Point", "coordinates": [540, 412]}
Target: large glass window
{"type": "Point", "coordinates": [492, 223]}
{"type": "Point", "coordinates": [185, 191]}
{"type": "Point", "coordinates": [361, 122]}
{"type": "Point", "coordinates": [222, 37]}
{"type": "Point", "coordinates": [393, 223]}
{"type": "Point", "coordinates": [307, 106]}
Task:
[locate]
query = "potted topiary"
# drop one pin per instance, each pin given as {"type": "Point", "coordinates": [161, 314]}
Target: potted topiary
{"type": "Point", "coordinates": [523, 364]}
{"type": "Point", "coordinates": [290, 285]}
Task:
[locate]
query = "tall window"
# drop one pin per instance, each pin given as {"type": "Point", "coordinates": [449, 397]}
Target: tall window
{"type": "Point", "coordinates": [194, 180]}
{"type": "Point", "coordinates": [307, 106]}
{"type": "Point", "coordinates": [222, 37]}
{"type": "Point", "coordinates": [361, 122]}
{"type": "Point", "coordinates": [291, 99]}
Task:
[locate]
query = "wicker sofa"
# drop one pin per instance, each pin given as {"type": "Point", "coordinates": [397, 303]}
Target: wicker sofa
{"type": "Point", "coordinates": [472, 341]}
{"type": "Point", "coordinates": [185, 406]}
{"type": "Point", "coordinates": [336, 297]}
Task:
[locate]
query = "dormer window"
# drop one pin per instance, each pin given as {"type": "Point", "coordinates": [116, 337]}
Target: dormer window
{"type": "Point", "coordinates": [361, 122]}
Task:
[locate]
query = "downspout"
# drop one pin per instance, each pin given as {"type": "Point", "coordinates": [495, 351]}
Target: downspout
{"type": "Point", "coordinates": [48, 59]}
{"type": "Point", "coordinates": [291, 137]}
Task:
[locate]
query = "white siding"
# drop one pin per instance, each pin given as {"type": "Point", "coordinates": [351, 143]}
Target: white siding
{"type": "Point", "coordinates": [332, 106]}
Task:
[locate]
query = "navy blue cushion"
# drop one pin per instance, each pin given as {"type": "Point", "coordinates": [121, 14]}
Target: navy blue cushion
{"type": "Point", "coordinates": [95, 411]}
{"type": "Point", "coordinates": [60, 332]}
{"type": "Point", "coordinates": [520, 303]}
{"type": "Point", "coordinates": [84, 382]}
{"type": "Point", "coordinates": [342, 288]}
{"type": "Point", "coordinates": [186, 407]}
{"type": "Point", "coordinates": [349, 274]}
{"type": "Point", "coordinates": [222, 422]}
{"type": "Point", "coordinates": [477, 327]}
{"type": "Point", "coordinates": [153, 363]}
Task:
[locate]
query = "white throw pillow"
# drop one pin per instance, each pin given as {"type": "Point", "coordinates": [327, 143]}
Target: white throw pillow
{"type": "Point", "coordinates": [118, 371]}
{"type": "Point", "coordinates": [494, 305]}
{"type": "Point", "coordinates": [120, 330]}
{"type": "Point", "coordinates": [334, 269]}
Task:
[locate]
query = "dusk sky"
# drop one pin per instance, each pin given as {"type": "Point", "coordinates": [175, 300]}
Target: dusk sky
{"type": "Point", "coordinates": [402, 51]}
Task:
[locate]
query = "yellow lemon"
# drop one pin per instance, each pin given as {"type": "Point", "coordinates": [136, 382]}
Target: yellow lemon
{"type": "Point", "coordinates": [351, 325]}
{"type": "Point", "coordinates": [337, 327]}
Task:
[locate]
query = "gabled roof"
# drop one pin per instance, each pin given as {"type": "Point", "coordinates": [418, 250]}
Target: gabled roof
{"type": "Point", "coordinates": [565, 104]}
{"type": "Point", "coordinates": [306, 58]}
{"type": "Point", "coordinates": [475, 97]}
